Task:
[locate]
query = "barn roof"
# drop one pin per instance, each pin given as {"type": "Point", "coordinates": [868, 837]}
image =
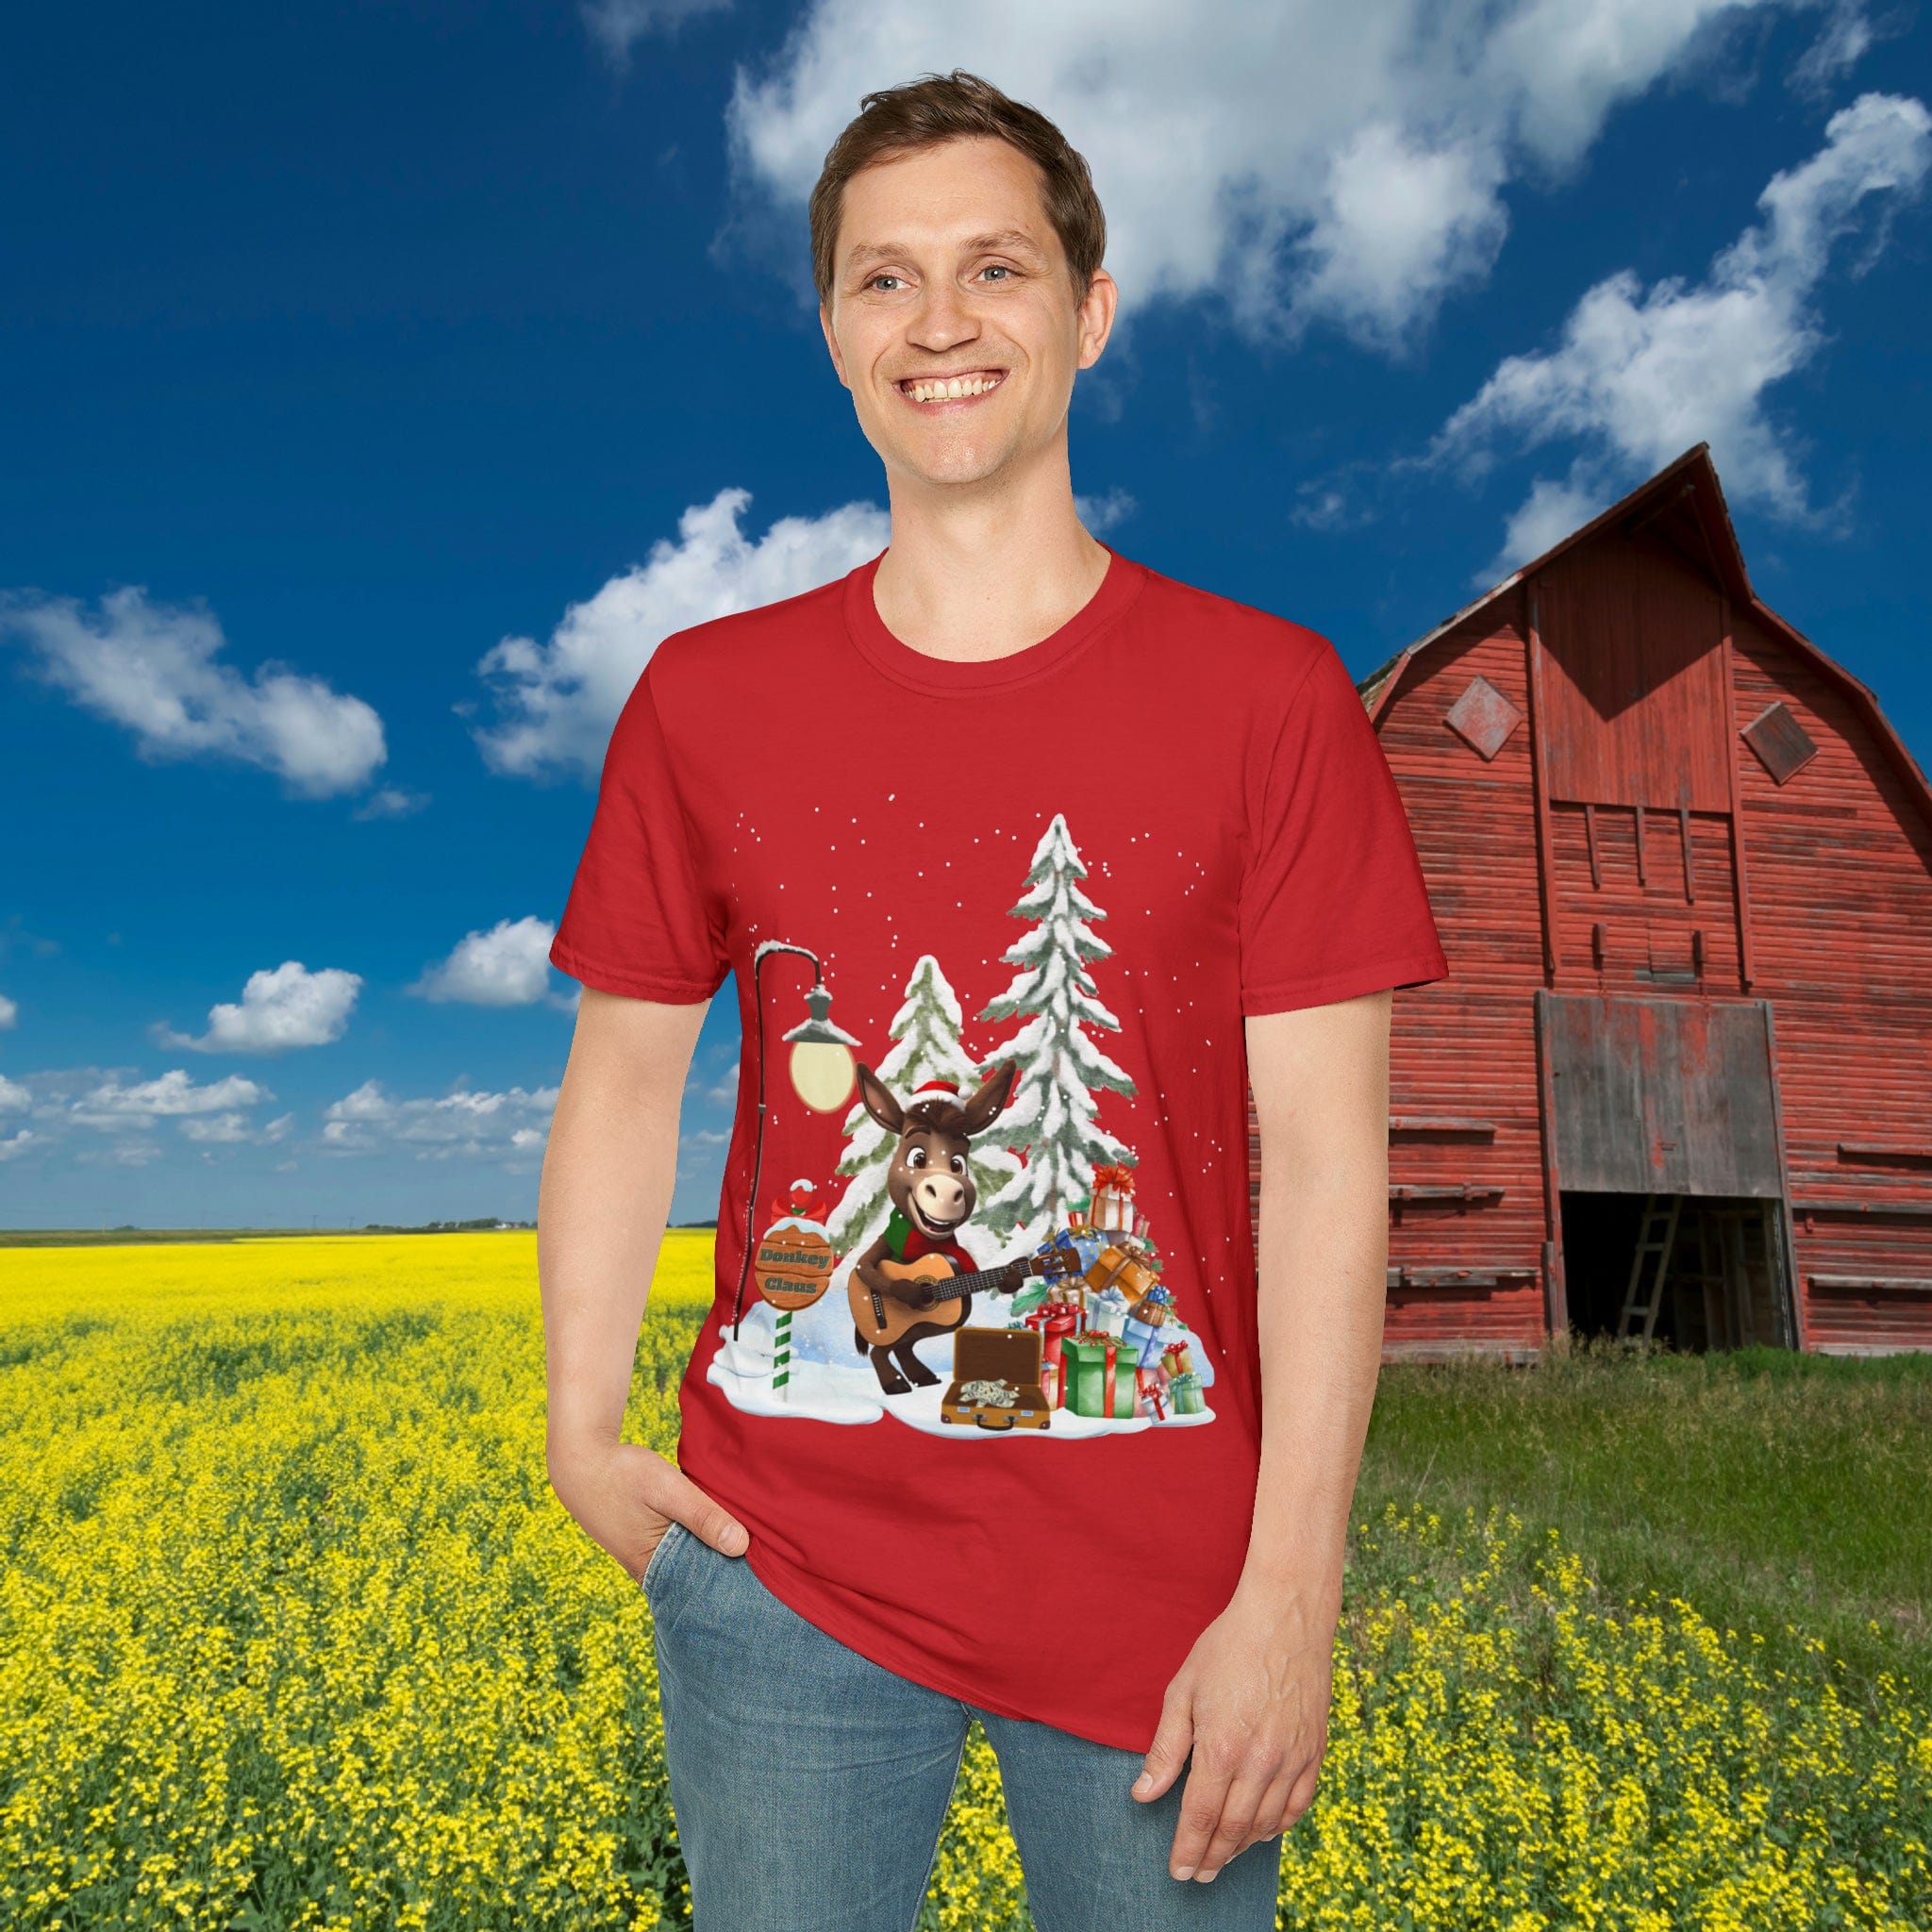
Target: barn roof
{"type": "Point", "coordinates": [1686, 500]}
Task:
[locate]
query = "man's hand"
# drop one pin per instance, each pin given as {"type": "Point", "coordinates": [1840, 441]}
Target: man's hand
{"type": "Point", "coordinates": [606, 1193]}
{"type": "Point", "coordinates": [626, 1497]}
{"type": "Point", "coordinates": [1251, 1702]}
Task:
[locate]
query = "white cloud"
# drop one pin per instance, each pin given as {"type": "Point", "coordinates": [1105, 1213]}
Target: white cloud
{"type": "Point", "coordinates": [507, 966]}
{"type": "Point", "coordinates": [1552, 509]}
{"type": "Point", "coordinates": [14, 1098]}
{"type": "Point", "coordinates": [9, 1013]}
{"type": "Point", "coordinates": [122, 1154]}
{"type": "Point", "coordinates": [1847, 37]}
{"type": "Point", "coordinates": [113, 1108]}
{"type": "Point", "coordinates": [1297, 158]}
{"type": "Point", "coordinates": [616, 25]}
{"type": "Point", "coordinates": [507, 1126]}
{"type": "Point", "coordinates": [18, 1144]}
{"type": "Point", "coordinates": [1638, 375]}
{"type": "Point", "coordinates": [235, 1129]}
{"type": "Point", "coordinates": [1104, 514]}
{"type": "Point", "coordinates": [157, 670]}
{"type": "Point", "coordinates": [391, 802]}
{"type": "Point", "coordinates": [559, 700]}
{"type": "Point", "coordinates": [283, 1008]}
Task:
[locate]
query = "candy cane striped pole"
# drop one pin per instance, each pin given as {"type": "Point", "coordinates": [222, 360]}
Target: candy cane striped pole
{"type": "Point", "coordinates": [781, 1365]}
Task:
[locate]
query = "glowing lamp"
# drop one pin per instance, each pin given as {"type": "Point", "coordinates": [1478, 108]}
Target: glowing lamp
{"type": "Point", "coordinates": [823, 1070]}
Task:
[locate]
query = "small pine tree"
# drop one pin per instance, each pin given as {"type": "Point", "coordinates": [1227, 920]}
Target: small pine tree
{"type": "Point", "coordinates": [927, 1032]}
{"type": "Point", "coordinates": [1052, 1117]}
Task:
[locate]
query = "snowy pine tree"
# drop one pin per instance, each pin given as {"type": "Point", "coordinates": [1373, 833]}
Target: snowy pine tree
{"type": "Point", "coordinates": [1051, 1116]}
{"type": "Point", "coordinates": [926, 1030]}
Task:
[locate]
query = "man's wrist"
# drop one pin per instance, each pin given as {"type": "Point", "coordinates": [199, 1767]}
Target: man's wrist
{"type": "Point", "coordinates": [1297, 1568]}
{"type": "Point", "coordinates": [572, 1441]}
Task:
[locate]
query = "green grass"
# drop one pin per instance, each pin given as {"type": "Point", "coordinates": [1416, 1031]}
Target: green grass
{"type": "Point", "coordinates": [1780, 1493]}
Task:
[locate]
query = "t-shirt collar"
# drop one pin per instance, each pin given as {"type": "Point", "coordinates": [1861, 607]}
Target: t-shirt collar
{"type": "Point", "coordinates": [920, 671]}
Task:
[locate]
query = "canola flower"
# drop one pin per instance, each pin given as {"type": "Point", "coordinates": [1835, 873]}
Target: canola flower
{"type": "Point", "coordinates": [292, 1632]}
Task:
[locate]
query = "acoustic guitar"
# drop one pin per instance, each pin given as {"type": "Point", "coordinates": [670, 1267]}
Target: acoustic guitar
{"type": "Point", "coordinates": [882, 1318]}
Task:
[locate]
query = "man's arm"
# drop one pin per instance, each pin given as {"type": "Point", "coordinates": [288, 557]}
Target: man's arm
{"type": "Point", "coordinates": [1251, 1700]}
{"type": "Point", "coordinates": [605, 1197]}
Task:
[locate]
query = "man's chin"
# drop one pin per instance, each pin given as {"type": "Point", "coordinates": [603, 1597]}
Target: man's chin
{"type": "Point", "coordinates": [934, 466]}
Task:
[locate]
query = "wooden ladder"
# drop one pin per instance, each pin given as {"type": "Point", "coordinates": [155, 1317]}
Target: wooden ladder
{"type": "Point", "coordinates": [1656, 1237]}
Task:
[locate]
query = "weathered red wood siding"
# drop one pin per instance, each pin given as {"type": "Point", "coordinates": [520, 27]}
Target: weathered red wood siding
{"type": "Point", "coordinates": [1460, 1050]}
{"type": "Point", "coordinates": [1661, 860]}
{"type": "Point", "coordinates": [1839, 859]}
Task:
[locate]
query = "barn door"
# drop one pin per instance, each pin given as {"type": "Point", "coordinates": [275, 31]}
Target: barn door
{"type": "Point", "coordinates": [1661, 1095]}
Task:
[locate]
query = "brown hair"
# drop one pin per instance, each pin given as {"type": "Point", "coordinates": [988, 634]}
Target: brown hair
{"type": "Point", "coordinates": [938, 108]}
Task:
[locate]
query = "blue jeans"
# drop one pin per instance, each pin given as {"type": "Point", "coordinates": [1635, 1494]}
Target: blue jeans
{"type": "Point", "coordinates": [810, 1785]}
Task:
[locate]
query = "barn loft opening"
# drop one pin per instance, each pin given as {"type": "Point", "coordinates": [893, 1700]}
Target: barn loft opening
{"type": "Point", "coordinates": [1707, 1266]}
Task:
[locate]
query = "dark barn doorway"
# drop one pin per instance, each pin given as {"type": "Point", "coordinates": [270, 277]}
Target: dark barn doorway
{"type": "Point", "coordinates": [1669, 1172]}
{"type": "Point", "coordinates": [1710, 1265]}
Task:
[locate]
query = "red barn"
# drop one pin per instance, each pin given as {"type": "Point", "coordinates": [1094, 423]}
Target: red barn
{"type": "Point", "coordinates": [1679, 1079]}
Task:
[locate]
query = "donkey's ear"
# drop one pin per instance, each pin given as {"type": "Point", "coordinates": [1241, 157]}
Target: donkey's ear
{"type": "Point", "coordinates": [990, 1097]}
{"type": "Point", "coordinates": [877, 1100]}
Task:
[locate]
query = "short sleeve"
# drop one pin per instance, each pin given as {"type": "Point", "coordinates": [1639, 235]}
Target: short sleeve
{"type": "Point", "coordinates": [1333, 901]}
{"type": "Point", "coordinates": [637, 921]}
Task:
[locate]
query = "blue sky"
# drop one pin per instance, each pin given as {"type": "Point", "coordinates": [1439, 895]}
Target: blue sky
{"type": "Point", "coordinates": [345, 344]}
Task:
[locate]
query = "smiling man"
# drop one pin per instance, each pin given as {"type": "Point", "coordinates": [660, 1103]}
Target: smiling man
{"type": "Point", "coordinates": [1132, 1580]}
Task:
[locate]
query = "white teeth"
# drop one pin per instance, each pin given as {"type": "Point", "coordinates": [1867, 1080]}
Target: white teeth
{"type": "Point", "coordinates": [953, 386]}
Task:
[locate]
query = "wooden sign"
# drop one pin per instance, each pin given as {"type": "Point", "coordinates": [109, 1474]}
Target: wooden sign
{"type": "Point", "coordinates": [793, 1266]}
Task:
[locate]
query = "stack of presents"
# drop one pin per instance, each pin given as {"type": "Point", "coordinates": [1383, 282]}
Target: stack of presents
{"type": "Point", "coordinates": [1110, 1345]}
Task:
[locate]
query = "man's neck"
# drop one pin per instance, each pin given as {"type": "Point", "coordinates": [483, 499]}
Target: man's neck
{"type": "Point", "coordinates": [979, 574]}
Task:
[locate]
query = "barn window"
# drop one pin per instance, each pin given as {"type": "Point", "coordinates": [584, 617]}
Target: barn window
{"type": "Point", "coordinates": [1782, 744]}
{"type": "Point", "coordinates": [1483, 717]}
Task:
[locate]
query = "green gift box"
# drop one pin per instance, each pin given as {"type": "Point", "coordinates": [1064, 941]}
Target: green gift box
{"type": "Point", "coordinates": [1083, 1366]}
{"type": "Point", "coordinates": [1184, 1393]}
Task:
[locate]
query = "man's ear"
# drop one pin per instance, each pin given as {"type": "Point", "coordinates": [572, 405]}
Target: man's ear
{"type": "Point", "coordinates": [832, 343]}
{"type": "Point", "coordinates": [1097, 308]}
{"type": "Point", "coordinates": [877, 1100]}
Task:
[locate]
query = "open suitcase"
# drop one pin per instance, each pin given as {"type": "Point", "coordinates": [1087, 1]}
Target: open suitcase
{"type": "Point", "coordinates": [997, 1355]}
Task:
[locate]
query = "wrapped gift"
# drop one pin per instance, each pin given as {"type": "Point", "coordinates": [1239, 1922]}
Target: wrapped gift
{"type": "Point", "coordinates": [1143, 1342]}
{"type": "Point", "coordinates": [1154, 1307]}
{"type": "Point", "coordinates": [1106, 1312]}
{"type": "Point", "coordinates": [1097, 1376]}
{"type": "Point", "coordinates": [1122, 1266]}
{"type": "Point", "coordinates": [1184, 1393]}
{"type": "Point", "coordinates": [1112, 1206]}
{"type": "Point", "coordinates": [1149, 1392]}
{"type": "Point", "coordinates": [1177, 1359]}
{"type": "Point", "coordinates": [1055, 1320]}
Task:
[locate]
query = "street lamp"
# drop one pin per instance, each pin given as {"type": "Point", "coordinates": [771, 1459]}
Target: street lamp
{"type": "Point", "coordinates": [822, 1075]}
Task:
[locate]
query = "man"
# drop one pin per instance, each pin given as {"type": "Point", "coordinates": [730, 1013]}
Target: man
{"type": "Point", "coordinates": [1138, 1600]}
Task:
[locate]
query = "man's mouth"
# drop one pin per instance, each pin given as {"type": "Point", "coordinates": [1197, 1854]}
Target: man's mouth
{"type": "Point", "coordinates": [937, 391]}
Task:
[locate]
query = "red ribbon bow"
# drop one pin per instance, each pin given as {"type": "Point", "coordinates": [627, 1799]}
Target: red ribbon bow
{"type": "Point", "coordinates": [1120, 1179]}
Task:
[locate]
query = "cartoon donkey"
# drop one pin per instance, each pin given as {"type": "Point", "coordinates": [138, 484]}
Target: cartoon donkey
{"type": "Point", "coordinates": [916, 1280]}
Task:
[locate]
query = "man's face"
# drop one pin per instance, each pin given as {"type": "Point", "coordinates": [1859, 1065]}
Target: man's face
{"type": "Point", "coordinates": [951, 318]}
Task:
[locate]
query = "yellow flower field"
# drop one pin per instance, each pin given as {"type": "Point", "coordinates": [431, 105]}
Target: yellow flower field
{"type": "Point", "coordinates": [295, 1634]}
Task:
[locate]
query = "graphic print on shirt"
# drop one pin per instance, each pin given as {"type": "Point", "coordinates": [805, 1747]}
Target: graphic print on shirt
{"type": "Point", "coordinates": [984, 1272]}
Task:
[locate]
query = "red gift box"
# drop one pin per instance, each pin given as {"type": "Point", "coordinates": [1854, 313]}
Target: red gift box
{"type": "Point", "coordinates": [1055, 1320]}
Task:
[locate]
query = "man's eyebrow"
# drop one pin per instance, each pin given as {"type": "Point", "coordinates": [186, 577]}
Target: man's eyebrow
{"type": "Point", "coordinates": [1012, 241]}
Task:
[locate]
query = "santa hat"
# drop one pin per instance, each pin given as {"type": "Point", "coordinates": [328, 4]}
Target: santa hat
{"type": "Point", "coordinates": [935, 1089]}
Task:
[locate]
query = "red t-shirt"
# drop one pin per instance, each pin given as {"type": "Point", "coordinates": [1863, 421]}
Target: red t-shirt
{"type": "Point", "coordinates": [1092, 858]}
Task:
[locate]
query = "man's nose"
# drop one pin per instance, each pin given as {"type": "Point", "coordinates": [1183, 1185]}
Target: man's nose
{"type": "Point", "coordinates": [943, 320]}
